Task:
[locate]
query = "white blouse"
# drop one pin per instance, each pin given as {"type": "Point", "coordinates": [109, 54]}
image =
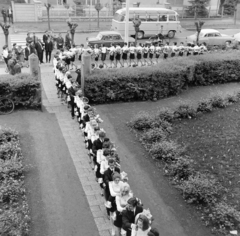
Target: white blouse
{"type": "Point", "coordinates": [115, 188]}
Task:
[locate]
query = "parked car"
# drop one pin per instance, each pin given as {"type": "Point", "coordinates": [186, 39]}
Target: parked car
{"type": "Point", "coordinates": [237, 37]}
{"type": "Point", "coordinates": [211, 37]}
{"type": "Point", "coordinates": [108, 37]}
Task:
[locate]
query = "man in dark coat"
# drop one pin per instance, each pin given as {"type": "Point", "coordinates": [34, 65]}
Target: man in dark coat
{"type": "Point", "coordinates": [128, 215]}
{"type": "Point", "coordinates": [29, 38]}
{"type": "Point", "coordinates": [4, 14]}
{"type": "Point", "coordinates": [60, 41]}
{"type": "Point", "coordinates": [48, 50]}
{"type": "Point", "coordinates": [39, 48]}
{"type": "Point", "coordinates": [45, 37]}
{"type": "Point", "coordinates": [26, 52]}
{"type": "Point", "coordinates": [68, 40]}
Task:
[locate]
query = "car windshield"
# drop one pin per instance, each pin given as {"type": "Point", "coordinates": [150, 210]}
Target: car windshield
{"type": "Point", "coordinates": [118, 17]}
{"type": "Point", "coordinates": [99, 36]}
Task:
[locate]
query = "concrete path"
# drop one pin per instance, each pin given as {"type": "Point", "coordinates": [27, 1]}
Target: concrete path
{"type": "Point", "coordinates": [76, 147]}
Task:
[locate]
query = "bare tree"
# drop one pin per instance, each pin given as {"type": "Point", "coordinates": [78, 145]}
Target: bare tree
{"type": "Point", "coordinates": [48, 7]}
{"type": "Point", "coordinates": [199, 25]}
{"type": "Point", "coordinates": [98, 8]}
{"type": "Point", "coordinates": [136, 24]}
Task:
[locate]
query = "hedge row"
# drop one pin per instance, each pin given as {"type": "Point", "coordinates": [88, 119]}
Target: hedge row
{"type": "Point", "coordinates": [200, 189]}
{"type": "Point", "coordinates": [23, 89]}
{"type": "Point", "coordinates": [14, 210]}
{"type": "Point", "coordinates": [167, 78]}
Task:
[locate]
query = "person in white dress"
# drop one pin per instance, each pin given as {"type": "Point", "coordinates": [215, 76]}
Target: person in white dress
{"type": "Point", "coordinates": [142, 226]}
{"type": "Point", "coordinates": [121, 203]}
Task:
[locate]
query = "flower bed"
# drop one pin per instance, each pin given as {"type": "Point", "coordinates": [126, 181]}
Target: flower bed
{"type": "Point", "coordinates": [23, 89]}
{"type": "Point", "coordinates": [14, 212]}
{"type": "Point", "coordinates": [165, 79]}
{"type": "Point", "coordinates": [200, 187]}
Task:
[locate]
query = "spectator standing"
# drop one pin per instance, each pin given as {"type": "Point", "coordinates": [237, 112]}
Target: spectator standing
{"type": "Point", "coordinates": [4, 14]}
{"type": "Point", "coordinates": [5, 56]}
{"type": "Point", "coordinates": [34, 38]}
{"type": "Point", "coordinates": [48, 49]}
{"type": "Point", "coordinates": [14, 49]}
{"type": "Point", "coordinates": [10, 15]}
{"type": "Point", "coordinates": [60, 41]}
{"type": "Point", "coordinates": [26, 53]}
{"type": "Point", "coordinates": [39, 48]}
{"type": "Point", "coordinates": [67, 40]}
{"type": "Point", "coordinates": [29, 38]}
{"type": "Point", "coordinates": [45, 37]}
{"type": "Point", "coordinates": [32, 48]}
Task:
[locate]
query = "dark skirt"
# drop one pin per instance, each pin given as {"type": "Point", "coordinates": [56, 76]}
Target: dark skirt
{"type": "Point", "coordinates": [188, 53]}
{"type": "Point", "coordinates": [89, 144]}
{"type": "Point", "coordinates": [195, 53]}
{"type": "Point", "coordinates": [68, 61]}
{"type": "Point", "coordinates": [124, 56]}
{"type": "Point", "coordinates": [118, 56]}
{"type": "Point", "coordinates": [180, 54]}
{"type": "Point", "coordinates": [98, 174]}
{"type": "Point", "coordinates": [96, 58]}
{"type": "Point", "coordinates": [103, 56]}
{"type": "Point", "coordinates": [118, 221]}
{"type": "Point", "coordinates": [151, 55]}
{"type": "Point", "coordinates": [165, 56]}
{"type": "Point", "coordinates": [72, 58]}
{"type": "Point", "coordinates": [80, 57]}
{"type": "Point", "coordinates": [173, 54]}
{"type": "Point", "coordinates": [145, 55]}
{"type": "Point", "coordinates": [132, 56]}
{"type": "Point", "coordinates": [139, 56]}
{"type": "Point", "coordinates": [157, 55]}
{"type": "Point", "coordinates": [111, 57]}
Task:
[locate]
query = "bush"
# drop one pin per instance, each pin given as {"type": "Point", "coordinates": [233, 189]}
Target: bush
{"type": "Point", "coordinates": [165, 114]}
{"type": "Point", "coordinates": [201, 188]}
{"type": "Point", "coordinates": [218, 102]}
{"type": "Point", "coordinates": [23, 89]}
{"type": "Point", "coordinates": [165, 150]}
{"type": "Point", "coordinates": [156, 82]}
{"type": "Point", "coordinates": [204, 106]}
{"type": "Point", "coordinates": [185, 110]}
{"type": "Point", "coordinates": [141, 121]}
{"type": "Point", "coordinates": [224, 216]}
{"type": "Point", "coordinates": [153, 135]}
{"type": "Point", "coordinates": [181, 169]}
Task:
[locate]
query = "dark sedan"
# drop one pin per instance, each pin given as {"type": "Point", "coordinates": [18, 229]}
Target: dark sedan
{"type": "Point", "coordinates": [108, 38]}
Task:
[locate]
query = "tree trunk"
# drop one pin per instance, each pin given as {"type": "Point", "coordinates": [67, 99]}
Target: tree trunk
{"type": "Point", "coordinates": [72, 38]}
{"type": "Point", "coordinates": [6, 40]}
{"type": "Point", "coordinates": [98, 19]}
{"type": "Point", "coordinates": [197, 40]}
{"type": "Point", "coordinates": [136, 37]}
{"type": "Point", "coordinates": [48, 15]}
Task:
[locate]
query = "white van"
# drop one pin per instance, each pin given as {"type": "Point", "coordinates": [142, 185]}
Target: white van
{"type": "Point", "coordinates": [153, 21]}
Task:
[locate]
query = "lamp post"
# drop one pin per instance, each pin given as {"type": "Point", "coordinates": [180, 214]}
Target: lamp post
{"type": "Point", "coordinates": [48, 6]}
{"type": "Point", "coordinates": [126, 38]}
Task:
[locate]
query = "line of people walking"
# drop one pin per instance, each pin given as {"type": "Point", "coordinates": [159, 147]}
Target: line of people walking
{"type": "Point", "coordinates": [126, 213]}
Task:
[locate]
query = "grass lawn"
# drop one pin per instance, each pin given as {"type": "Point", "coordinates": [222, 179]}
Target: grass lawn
{"type": "Point", "coordinates": [212, 140]}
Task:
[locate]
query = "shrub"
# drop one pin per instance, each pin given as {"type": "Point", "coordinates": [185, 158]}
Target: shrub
{"type": "Point", "coordinates": [165, 150]}
{"type": "Point", "coordinates": [156, 82]}
{"type": "Point", "coordinates": [181, 169]}
{"type": "Point", "coordinates": [23, 89]}
{"type": "Point", "coordinates": [8, 135]}
{"type": "Point", "coordinates": [204, 106]}
{"type": "Point", "coordinates": [218, 102]}
{"type": "Point", "coordinates": [201, 188]}
{"type": "Point", "coordinates": [165, 114]}
{"type": "Point", "coordinates": [185, 110]}
{"type": "Point", "coordinates": [224, 216]}
{"type": "Point", "coordinates": [153, 135]}
{"type": "Point", "coordinates": [141, 121]}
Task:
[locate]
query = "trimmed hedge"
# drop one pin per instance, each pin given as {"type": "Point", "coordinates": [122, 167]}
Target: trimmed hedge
{"type": "Point", "coordinates": [165, 79]}
{"type": "Point", "coordinates": [23, 89]}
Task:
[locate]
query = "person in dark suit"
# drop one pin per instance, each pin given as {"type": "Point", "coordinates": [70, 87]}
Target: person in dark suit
{"type": "Point", "coordinates": [35, 38]}
{"type": "Point", "coordinates": [128, 215]}
{"type": "Point", "coordinates": [71, 93]}
{"type": "Point", "coordinates": [60, 41]}
{"type": "Point", "coordinates": [29, 38]}
{"type": "Point", "coordinates": [68, 40]}
{"type": "Point", "coordinates": [26, 52]}
{"type": "Point", "coordinates": [39, 48]}
{"type": "Point", "coordinates": [97, 145]}
{"type": "Point", "coordinates": [45, 37]}
{"type": "Point", "coordinates": [48, 50]}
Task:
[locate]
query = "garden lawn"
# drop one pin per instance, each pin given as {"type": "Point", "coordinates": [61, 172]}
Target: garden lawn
{"type": "Point", "coordinates": [212, 141]}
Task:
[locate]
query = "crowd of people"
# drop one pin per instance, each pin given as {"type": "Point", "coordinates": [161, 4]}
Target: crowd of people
{"type": "Point", "coordinates": [125, 211]}
{"type": "Point", "coordinates": [7, 13]}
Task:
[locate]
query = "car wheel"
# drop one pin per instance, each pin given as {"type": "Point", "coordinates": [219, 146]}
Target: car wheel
{"type": "Point", "coordinates": [140, 35]}
{"type": "Point", "coordinates": [171, 34]}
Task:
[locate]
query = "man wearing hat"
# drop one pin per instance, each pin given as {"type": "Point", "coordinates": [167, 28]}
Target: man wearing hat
{"type": "Point", "coordinates": [128, 215]}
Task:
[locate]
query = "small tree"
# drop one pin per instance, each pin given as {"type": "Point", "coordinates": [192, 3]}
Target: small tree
{"type": "Point", "coordinates": [136, 24]}
{"type": "Point", "coordinates": [198, 8]}
{"type": "Point", "coordinates": [98, 8]}
{"type": "Point", "coordinates": [198, 25]}
{"type": "Point", "coordinates": [72, 28]}
{"type": "Point", "coordinates": [48, 7]}
{"type": "Point", "coordinates": [5, 29]}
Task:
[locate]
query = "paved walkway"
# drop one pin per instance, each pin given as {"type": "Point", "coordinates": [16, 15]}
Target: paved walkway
{"type": "Point", "coordinates": [72, 136]}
